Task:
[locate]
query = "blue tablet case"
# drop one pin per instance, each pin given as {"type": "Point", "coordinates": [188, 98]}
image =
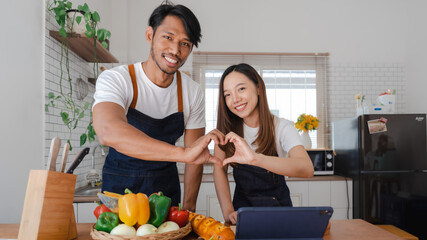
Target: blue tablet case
{"type": "Point", "coordinates": [286, 223]}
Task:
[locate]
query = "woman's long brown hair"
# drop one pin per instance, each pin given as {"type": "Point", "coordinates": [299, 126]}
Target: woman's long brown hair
{"type": "Point", "coordinates": [228, 121]}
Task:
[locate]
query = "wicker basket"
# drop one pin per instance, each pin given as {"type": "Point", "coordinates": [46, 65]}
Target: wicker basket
{"type": "Point", "coordinates": [178, 234]}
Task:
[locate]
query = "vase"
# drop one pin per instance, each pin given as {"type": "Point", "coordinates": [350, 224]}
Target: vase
{"type": "Point", "coordinates": [79, 28]}
{"type": "Point", "coordinates": [306, 140]}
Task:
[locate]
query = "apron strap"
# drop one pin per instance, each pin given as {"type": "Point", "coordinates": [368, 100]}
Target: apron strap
{"type": "Point", "coordinates": [135, 88]}
{"type": "Point", "coordinates": [134, 85]}
{"type": "Point", "coordinates": [179, 90]}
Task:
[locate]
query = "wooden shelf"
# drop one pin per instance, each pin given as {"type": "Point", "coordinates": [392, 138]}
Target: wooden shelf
{"type": "Point", "coordinates": [83, 46]}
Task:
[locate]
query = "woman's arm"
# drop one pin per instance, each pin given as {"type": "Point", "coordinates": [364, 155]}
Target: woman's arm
{"type": "Point", "coordinates": [222, 187]}
{"type": "Point", "coordinates": [297, 164]}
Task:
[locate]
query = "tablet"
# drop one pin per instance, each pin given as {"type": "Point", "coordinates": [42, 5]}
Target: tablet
{"type": "Point", "coordinates": [287, 223]}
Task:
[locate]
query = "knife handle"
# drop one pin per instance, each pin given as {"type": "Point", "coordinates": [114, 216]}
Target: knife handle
{"type": "Point", "coordinates": [78, 159]}
{"type": "Point", "coordinates": [55, 145]}
{"type": "Point", "coordinates": [65, 156]}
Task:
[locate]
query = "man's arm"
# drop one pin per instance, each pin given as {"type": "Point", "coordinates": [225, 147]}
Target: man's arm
{"type": "Point", "coordinates": [193, 173]}
{"type": "Point", "coordinates": [112, 129]}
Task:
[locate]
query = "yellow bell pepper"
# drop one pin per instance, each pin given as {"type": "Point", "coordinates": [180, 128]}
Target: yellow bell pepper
{"type": "Point", "coordinates": [134, 208]}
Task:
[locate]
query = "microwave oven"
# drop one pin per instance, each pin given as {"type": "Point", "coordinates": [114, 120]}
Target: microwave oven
{"type": "Point", "coordinates": [323, 161]}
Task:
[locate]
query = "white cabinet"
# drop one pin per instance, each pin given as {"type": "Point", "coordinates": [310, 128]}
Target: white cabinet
{"type": "Point", "coordinates": [207, 201]}
{"type": "Point", "coordinates": [338, 194]}
{"type": "Point", "coordinates": [334, 193]}
{"type": "Point", "coordinates": [84, 212]}
{"type": "Point", "coordinates": [298, 192]}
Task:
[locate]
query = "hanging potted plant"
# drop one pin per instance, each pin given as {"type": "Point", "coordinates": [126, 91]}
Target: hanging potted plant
{"type": "Point", "coordinates": [74, 18]}
{"type": "Point", "coordinates": [71, 109]}
{"type": "Point", "coordinates": [93, 31]}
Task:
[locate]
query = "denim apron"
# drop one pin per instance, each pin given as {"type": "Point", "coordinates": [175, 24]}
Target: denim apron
{"type": "Point", "coordinates": [257, 187]}
{"type": "Point", "coordinates": [121, 171]}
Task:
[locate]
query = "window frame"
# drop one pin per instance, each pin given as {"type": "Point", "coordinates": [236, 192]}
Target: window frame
{"type": "Point", "coordinates": [318, 62]}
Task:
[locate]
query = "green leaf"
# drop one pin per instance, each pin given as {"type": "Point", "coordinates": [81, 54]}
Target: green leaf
{"type": "Point", "coordinates": [69, 142]}
{"type": "Point", "coordinates": [86, 106]}
{"type": "Point", "coordinates": [86, 8]}
{"type": "Point", "coordinates": [78, 19]}
{"type": "Point", "coordinates": [88, 28]}
{"type": "Point", "coordinates": [51, 95]}
{"type": "Point", "coordinates": [61, 12]}
{"type": "Point", "coordinates": [56, 11]}
{"type": "Point", "coordinates": [65, 119]}
{"type": "Point", "coordinates": [69, 4]}
{"type": "Point", "coordinates": [88, 34]}
{"type": "Point", "coordinates": [75, 124]}
{"type": "Point", "coordinates": [83, 138]}
{"type": "Point", "coordinates": [91, 133]}
{"type": "Point", "coordinates": [95, 16]}
{"type": "Point", "coordinates": [100, 35]}
{"type": "Point", "coordinates": [104, 44]}
{"type": "Point", "coordinates": [82, 115]}
{"type": "Point", "coordinates": [87, 16]}
{"type": "Point", "coordinates": [46, 108]}
{"type": "Point", "coordinates": [77, 111]}
{"type": "Point", "coordinates": [62, 32]}
{"type": "Point", "coordinates": [91, 138]}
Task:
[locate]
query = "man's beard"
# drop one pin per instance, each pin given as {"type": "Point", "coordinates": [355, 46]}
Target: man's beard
{"type": "Point", "coordinates": [160, 67]}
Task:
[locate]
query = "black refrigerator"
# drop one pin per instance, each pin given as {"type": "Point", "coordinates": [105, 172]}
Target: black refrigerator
{"type": "Point", "coordinates": [385, 155]}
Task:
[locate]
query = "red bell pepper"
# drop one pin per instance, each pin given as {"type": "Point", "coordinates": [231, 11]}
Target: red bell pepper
{"type": "Point", "coordinates": [178, 215]}
{"type": "Point", "coordinates": [100, 209]}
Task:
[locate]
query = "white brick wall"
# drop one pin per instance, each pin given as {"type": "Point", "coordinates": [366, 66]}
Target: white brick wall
{"type": "Point", "coordinates": [369, 79]}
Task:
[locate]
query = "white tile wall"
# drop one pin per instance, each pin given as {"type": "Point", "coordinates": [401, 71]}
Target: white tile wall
{"type": "Point", "coordinates": [79, 68]}
{"type": "Point", "coordinates": [369, 79]}
{"type": "Point", "coordinates": [345, 80]}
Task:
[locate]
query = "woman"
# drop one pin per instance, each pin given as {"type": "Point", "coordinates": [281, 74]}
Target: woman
{"type": "Point", "coordinates": [261, 147]}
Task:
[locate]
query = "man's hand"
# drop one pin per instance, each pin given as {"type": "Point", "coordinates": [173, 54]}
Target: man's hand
{"type": "Point", "coordinates": [198, 152]}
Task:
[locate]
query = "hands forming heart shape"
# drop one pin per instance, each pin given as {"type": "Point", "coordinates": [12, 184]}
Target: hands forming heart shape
{"type": "Point", "coordinates": [243, 154]}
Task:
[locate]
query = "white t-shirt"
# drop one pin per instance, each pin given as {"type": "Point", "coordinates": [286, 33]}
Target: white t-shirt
{"type": "Point", "coordinates": [115, 85]}
{"type": "Point", "coordinates": [287, 136]}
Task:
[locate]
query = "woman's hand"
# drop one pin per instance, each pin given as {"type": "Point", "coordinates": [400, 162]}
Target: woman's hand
{"type": "Point", "coordinates": [232, 217]}
{"type": "Point", "coordinates": [243, 154]}
{"type": "Point", "coordinates": [198, 152]}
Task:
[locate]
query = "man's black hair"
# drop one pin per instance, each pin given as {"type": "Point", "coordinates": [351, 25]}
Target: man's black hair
{"type": "Point", "coordinates": [191, 24]}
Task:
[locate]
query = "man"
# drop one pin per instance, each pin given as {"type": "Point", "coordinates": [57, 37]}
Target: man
{"type": "Point", "coordinates": [141, 110]}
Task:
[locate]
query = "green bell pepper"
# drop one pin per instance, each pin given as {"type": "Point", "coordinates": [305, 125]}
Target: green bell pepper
{"type": "Point", "coordinates": [107, 221]}
{"type": "Point", "coordinates": [159, 208]}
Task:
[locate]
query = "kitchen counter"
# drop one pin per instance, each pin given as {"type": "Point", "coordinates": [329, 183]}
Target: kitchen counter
{"type": "Point", "coordinates": [340, 230]}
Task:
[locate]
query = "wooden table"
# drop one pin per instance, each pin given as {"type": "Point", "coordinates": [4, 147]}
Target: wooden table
{"type": "Point", "coordinates": [340, 230]}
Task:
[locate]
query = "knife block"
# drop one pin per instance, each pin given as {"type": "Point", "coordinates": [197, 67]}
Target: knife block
{"type": "Point", "coordinates": [48, 211]}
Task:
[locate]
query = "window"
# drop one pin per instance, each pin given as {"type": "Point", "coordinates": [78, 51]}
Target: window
{"type": "Point", "coordinates": [293, 87]}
